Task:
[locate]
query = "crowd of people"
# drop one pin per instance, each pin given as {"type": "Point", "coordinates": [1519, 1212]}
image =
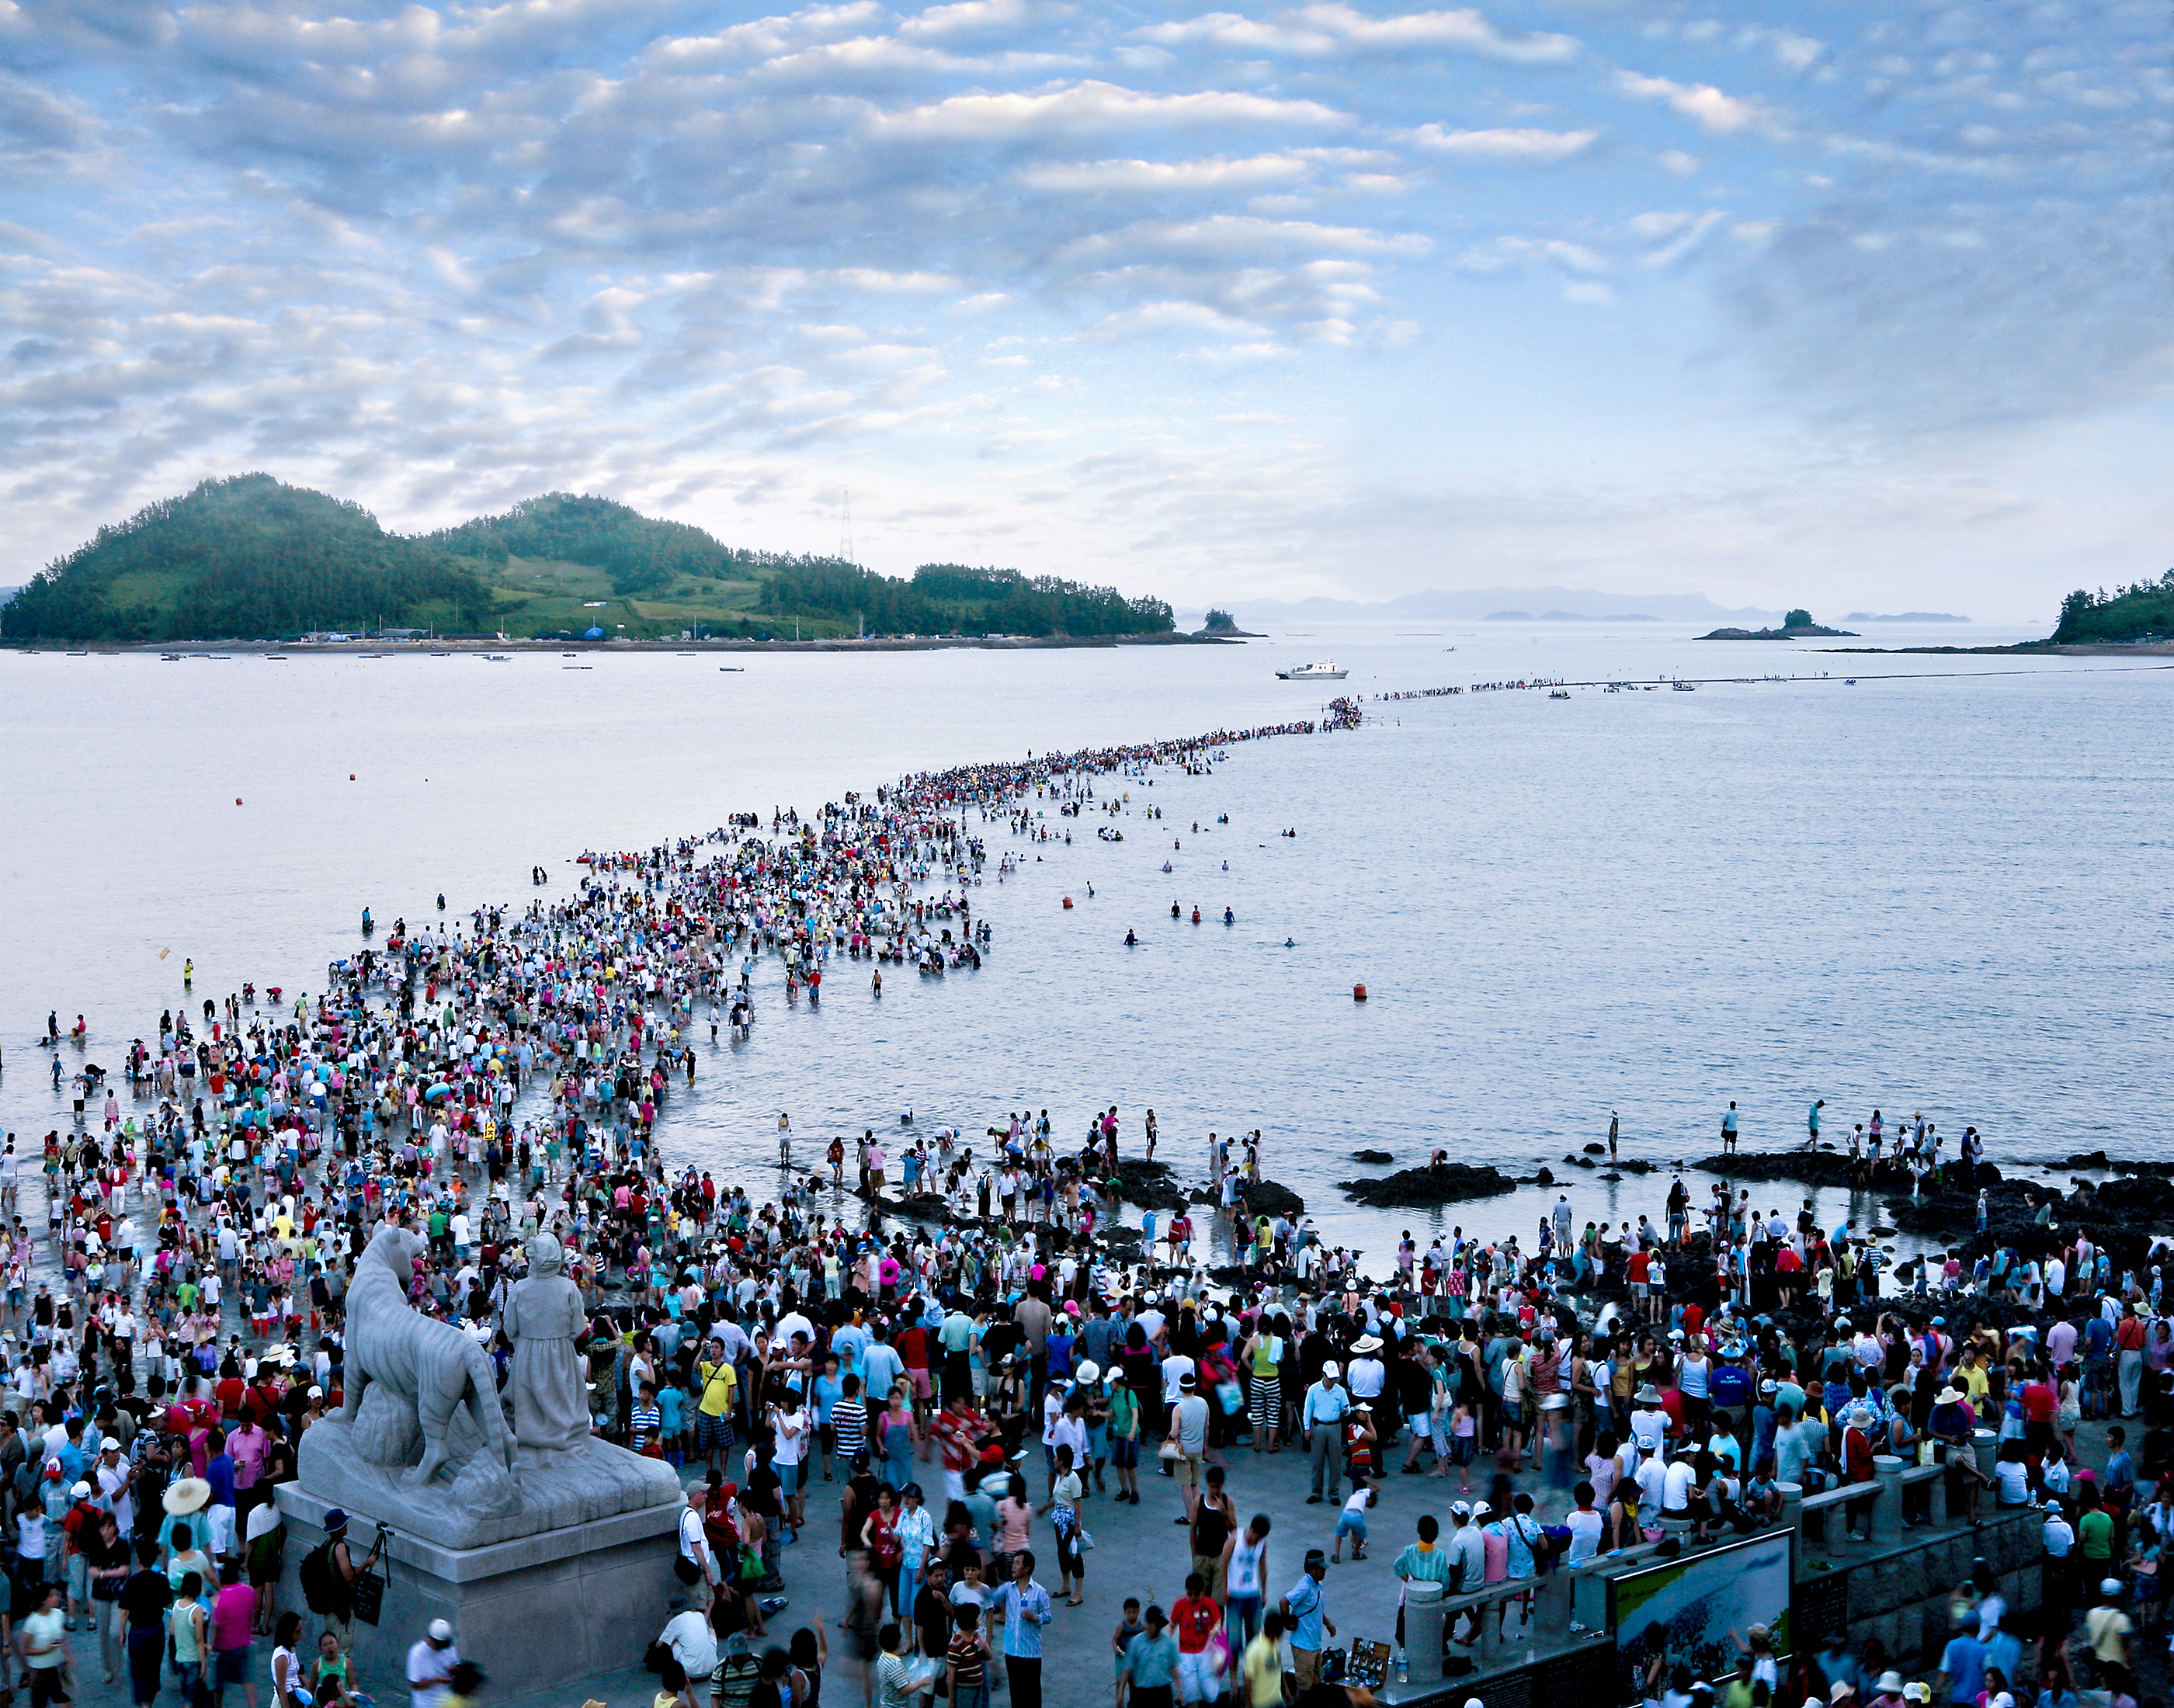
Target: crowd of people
{"type": "Point", "coordinates": [957, 1380]}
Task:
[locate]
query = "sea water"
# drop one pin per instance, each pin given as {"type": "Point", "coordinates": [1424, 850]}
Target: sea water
{"type": "Point", "coordinates": [1941, 887]}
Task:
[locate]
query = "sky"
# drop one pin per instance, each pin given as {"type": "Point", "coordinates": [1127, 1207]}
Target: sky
{"type": "Point", "coordinates": [1850, 306]}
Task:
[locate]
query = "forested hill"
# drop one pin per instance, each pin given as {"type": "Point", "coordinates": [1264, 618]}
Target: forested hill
{"type": "Point", "coordinates": [244, 556]}
{"type": "Point", "coordinates": [249, 556]}
{"type": "Point", "coordinates": [2127, 613]}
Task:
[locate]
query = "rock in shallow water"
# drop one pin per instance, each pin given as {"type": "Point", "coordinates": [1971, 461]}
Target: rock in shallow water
{"type": "Point", "coordinates": [1417, 1188]}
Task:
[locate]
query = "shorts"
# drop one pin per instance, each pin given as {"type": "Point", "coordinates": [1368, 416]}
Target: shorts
{"type": "Point", "coordinates": [1306, 1664]}
{"type": "Point", "coordinates": [234, 1665]}
{"type": "Point", "coordinates": [1639, 1289]}
{"type": "Point", "coordinates": [218, 1521]}
{"type": "Point", "coordinates": [712, 1432]}
{"type": "Point", "coordinates": [788, 1477]}
{"type": "Point", "coordinates": [1461, 1448]}
{"type": "Point", "coordinates": [1421, 1424]}
{"type": "Point", "coordinates": [1197, 1680]}
{"type": "Point", "coordinates": [78, 1578]}
{"type": "Point", "coordinates": [918, 1381]}
{"type": "Point", "coordinates": [1125, 1453]}
{"type": "Point", "coordinates": [1184, 1470]}
{"type": "Point", "coordinates": [1353, 1524]}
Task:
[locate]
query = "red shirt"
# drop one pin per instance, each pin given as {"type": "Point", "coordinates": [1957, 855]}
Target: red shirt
{"type": "Point", "coordinates": [1196, 1619]}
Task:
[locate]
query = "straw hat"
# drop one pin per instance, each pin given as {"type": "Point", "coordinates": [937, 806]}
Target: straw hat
{"type": "Point", "coordinates": [1949, 1396]}
{"type": "Point", "coordinates": [186, 1495]}
{"type": "Point", "coordinates": [1649, 1395]}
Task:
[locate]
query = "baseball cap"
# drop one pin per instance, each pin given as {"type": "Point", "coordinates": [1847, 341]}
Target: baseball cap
{"type": "Point", "coordinates": [81, 1491]}
{"type": "Point", "coordinates": [109, 1445]}
{"type": "Point", "coordinates": [1460, 1507]}
{"type": "Point", "coordinates": [441, 1632]}
{"type": "Point", "coordinates": [1332, 1368]}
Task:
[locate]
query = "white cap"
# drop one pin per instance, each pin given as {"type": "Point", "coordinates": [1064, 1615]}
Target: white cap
{"type": "Point", "coordinates": [81, 1491]}
{"type": "Point", "coordinates": [109, 1445]}
{"type": "Point", "coordinates": [441, 1632]}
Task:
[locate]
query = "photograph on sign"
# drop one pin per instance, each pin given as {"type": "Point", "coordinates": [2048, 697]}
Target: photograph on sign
{"type": "Point", "coordinates": [1684, 1610]}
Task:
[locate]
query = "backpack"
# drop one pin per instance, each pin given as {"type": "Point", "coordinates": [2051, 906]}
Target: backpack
{"type": "Point", "coordinates": [320, 1580]}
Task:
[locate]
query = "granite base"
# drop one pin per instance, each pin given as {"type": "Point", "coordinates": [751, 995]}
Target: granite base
{"type": "Point", "coordinates": [532, 1612]}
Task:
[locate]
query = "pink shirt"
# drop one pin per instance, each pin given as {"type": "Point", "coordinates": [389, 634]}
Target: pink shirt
{"type": "Point", "coordinates": [232, 1616]}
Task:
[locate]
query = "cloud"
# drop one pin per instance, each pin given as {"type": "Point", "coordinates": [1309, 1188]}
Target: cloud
{"type": "Point", "coordinates": [1088, 109]}
{"type": "Point", "coordinates": [1713, 112]}
{"type": "Point", "coordinates": [1211, 174]}
{"type": "Point", "coordinates": [1535, 147]}
{"type": "Point", "coordinates": [1332, 29]}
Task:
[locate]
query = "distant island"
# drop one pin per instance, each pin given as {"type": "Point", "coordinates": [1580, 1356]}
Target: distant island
{"type": "Point", "coordinates": [1904, 616]}
{"type": "Point", "coordinates": [1221, 625]}
{"type": "Point", "coordinates": [252, 557]}
{"type": "Point", "coordinates": [1797, 625]}
{"type": "Point", "coordinates": [1568, 617]}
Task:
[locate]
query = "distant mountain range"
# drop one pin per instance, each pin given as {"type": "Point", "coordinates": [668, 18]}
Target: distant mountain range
{"type": "Point", "coordinates": [1904, 616]}
{"type": "Point", "coordinates": [1506, 604]}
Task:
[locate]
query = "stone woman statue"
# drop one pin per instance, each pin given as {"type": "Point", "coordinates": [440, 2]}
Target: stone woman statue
{"type": "Point", "coordinates": [544, 1318]}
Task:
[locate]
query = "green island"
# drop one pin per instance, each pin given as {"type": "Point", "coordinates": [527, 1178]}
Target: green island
{"type": "Point", "coordinates": [250, 557]}
{"type": "Point", "coordinates": [1797, 625]}
{"type": "Point", "coordinates": [2143, 612]}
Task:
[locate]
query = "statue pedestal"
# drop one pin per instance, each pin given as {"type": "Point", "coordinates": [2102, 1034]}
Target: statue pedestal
{"type": "Point", "coordinates": [474, 1508]}
{"type": "Point", "coordinates": [571, 1583]}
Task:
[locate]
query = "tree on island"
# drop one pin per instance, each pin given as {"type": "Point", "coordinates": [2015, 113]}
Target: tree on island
{"type": "Point", "coordinates": [2128, 614]}
{"type": "Point", "coordinates": [1797, 618]}
{"type": "Point", "coordinates": [1220, 621]}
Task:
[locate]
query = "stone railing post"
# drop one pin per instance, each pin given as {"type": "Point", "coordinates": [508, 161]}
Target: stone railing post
{"type": "Point", "coordinates": [1887, 1508]}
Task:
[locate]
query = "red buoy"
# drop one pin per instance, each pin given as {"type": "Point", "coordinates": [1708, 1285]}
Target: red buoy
{"type": "Point", "coordinates": [1068, 901]}
{"type": "Point", "coordinates": [1358, 993]}
{"type": "Point", "coordinates": [237, 800]}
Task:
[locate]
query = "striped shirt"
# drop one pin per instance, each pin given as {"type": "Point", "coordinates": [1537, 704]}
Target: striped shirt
{"type": "Point", "coordinates": [849, 1427]}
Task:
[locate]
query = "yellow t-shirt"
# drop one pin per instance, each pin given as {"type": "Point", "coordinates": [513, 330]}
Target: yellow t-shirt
{"type": "Point", "coordinates": [1976, 1383]}
{"type": "Point", "coordinates": [718, 1380]}
{"type": "Point", "coordinates": [1265, 1673]}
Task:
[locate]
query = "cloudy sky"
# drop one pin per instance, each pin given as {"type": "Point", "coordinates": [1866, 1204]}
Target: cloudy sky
{"type": "Point", "coordinates": [1857, 304]}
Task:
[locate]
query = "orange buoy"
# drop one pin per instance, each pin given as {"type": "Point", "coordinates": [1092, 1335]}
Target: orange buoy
{"type": "Point", "coordinates": [237, 800]}
{"type": "Point", "coordinates": [1358, 993]}
{"type": "Point", "coordinates": [350, 776]}
{"type": "Point", "coordinates": [1068, 901]}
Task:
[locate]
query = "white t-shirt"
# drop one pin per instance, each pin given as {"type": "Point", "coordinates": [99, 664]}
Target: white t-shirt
{"type": "Point", "coordinates": [424, 1662]}
{"type": "Point", "coordinates": [1585, 1532]}
{"type": "Point", "coordinates": [1676, 1487]}
{"type": "Point", "coordinates": [1652, 1477]}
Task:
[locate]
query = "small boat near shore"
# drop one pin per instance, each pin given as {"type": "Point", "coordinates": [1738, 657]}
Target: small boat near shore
{"type": "Point", "coordinates": [1328, 670]}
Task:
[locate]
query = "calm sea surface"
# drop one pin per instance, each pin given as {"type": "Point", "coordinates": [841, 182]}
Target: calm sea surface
{"type": "Point", "coordinates": [1944, 890]}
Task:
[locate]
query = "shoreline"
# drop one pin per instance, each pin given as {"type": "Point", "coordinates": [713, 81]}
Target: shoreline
{"type": "Point", "coordinates": [872, 643]}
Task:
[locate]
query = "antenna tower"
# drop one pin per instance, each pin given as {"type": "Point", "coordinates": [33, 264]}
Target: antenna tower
{"type": "Point", "coordinates": [845, 529]}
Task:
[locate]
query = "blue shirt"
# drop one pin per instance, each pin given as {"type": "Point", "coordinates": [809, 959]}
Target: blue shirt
{"type": "Point", "coordinates": [1305, 1605]}
{"type": "Point", "coordinates": [1023, 1637]}
{"type": "Point", "coordinates": [1963, 1660]}
{"type": "Point", "coordinates": [219, 1471]}
{"type": "Point", "coordinates": [1324, 1405]}
{"type": "Point", "coordinates": [1152, 1661]}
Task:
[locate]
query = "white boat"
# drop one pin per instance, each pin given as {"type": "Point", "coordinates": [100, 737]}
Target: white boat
{"type": "Point", "coordinates": [1684, 687]}
{"type": "Point", "coordinates": [1325, 671]}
